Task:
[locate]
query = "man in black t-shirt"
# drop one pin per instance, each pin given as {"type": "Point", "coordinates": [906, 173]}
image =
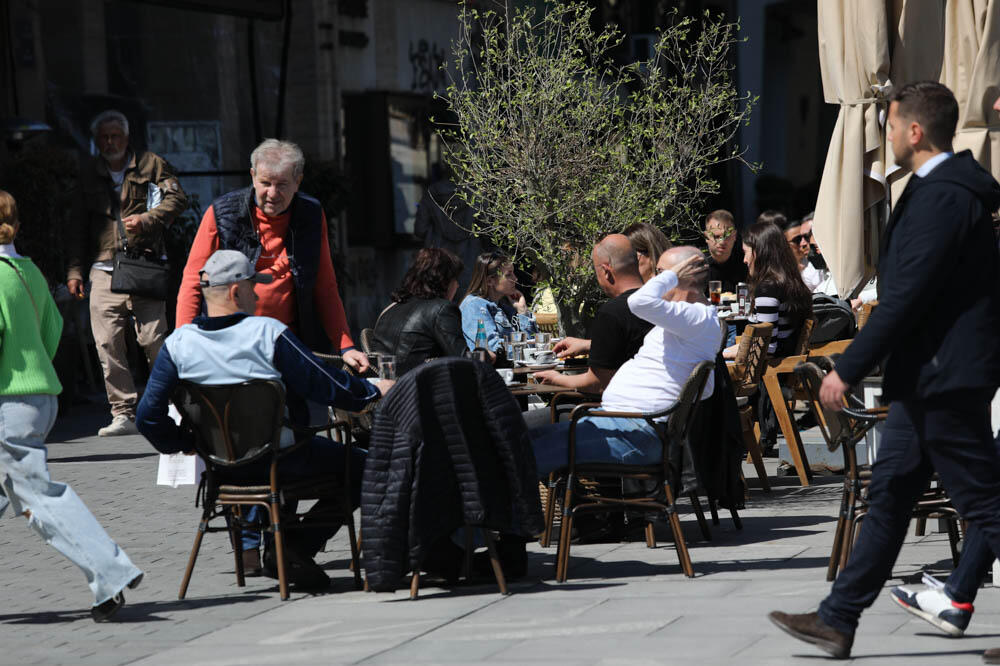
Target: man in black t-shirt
{"type": "Point", "coordinates": [616, 333]}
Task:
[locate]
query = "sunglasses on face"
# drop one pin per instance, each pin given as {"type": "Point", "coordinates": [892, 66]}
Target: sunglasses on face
{"type": "Point", "coordinates": [796, 240]}
{"type": "Point", "coordinates": [721, 238]}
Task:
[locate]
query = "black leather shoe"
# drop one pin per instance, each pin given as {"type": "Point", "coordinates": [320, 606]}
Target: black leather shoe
{"type": "Point", "coordinates": [301, 571]}
{"type": "Point", "coordinates": [809, 627]}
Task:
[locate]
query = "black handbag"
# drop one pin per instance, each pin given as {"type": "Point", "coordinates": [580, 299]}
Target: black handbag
{"type": "Point", "coordinates": [139, 273]}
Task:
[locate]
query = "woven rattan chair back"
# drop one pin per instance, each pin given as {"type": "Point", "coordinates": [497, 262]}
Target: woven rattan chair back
{"type": "Point", "coordinates": [802, 347]}
{"type": "Point", "coordinates": [368, 340]}
{"type": "Point", "coordinates": [751, 356]}
{"type": "Point", "coordinates": [547, 323]}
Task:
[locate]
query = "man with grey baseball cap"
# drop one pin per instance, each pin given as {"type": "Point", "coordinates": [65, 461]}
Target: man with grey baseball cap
{"type": "Point", "coordinates": [228, 345]}
{"type": "Point", "coordinates": [228, 266]}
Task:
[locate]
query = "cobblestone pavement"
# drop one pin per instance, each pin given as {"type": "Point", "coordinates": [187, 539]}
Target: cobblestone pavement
{"type": "Point", "coordinates": [624, 603]}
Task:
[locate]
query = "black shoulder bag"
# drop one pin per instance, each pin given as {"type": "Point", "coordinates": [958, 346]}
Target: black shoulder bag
{"type": "Point", "coordinates": [139, 273]}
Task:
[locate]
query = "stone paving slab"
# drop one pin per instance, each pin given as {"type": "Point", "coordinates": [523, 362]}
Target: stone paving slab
{"type": "Point", "coordinates": [625, 604]}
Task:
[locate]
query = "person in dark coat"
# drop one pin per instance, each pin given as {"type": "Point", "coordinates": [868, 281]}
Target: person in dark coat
{"type": "Point", "coordinates": [937, 323]}
{"type": "Point", "coordinates": [423, 322]}
{"type": "Point", "coordinates": [448, 448]}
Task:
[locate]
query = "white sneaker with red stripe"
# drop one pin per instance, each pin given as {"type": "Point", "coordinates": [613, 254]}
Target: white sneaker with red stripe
{"type": "Point", "coordinates": [932, 603]}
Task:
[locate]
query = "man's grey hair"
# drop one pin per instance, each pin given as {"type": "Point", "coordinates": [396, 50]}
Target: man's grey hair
{"type": "Point", "coordinates": [279, 155]}
{"type": "Point", "coordinates": [109, 116]}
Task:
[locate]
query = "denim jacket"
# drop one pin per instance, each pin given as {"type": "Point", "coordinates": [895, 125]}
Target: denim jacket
{"type": "Point", "coordinates": [496, 318]}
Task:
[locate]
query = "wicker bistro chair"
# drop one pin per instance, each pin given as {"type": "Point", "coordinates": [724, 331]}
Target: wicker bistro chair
{"type": "Point", "coordinates": [681, 417]}
{"type": "Point", "coordinates": [747, 372]}
{"type": "Point", "coordinates": [240, 424]}
{"type": "Point", "coordinates": [547, 323]}
{"type": "Point", "coordinates": [368, 340]}
{"type": "Point", "coordinates": [844, 430]}
{"type": "Point", "coordinates": [865, 313]}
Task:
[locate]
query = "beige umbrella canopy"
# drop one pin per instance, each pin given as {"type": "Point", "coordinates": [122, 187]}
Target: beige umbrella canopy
{"type": "Point", "coordinates": [854, 59]}
{"type": "Point", "coordinates": [972, 70]}
{"type": "Point", "coordinates": [865, 46]}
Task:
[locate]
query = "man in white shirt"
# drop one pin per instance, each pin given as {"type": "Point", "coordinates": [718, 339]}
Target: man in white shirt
{"type": "Point", "coordinates": [685, 331]}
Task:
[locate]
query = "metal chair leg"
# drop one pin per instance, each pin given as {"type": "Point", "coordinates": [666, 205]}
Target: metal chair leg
{"type": "Point", "coordinates": [675, 526]}
{"type": "Point", "coordinates": [737, 521]}
{"type": "Point", "coordinates": [550, 511]}
{"type": "Point", "coordinates": [952, 526]}
{"type": "Point", "coordinates": [355, 552]}
{"type": "Point", "coordinates": [650, 535]}
{"type": "Point", "coordinates": [713, 510]}
{"type": "Point", "coordinates": [202, 527]}
{"type": "Point", "coordinates": [562, 551]}
{"type": "Point", "coordinates": [706, 533]}
{"type": "Point", "coordinates": [279, 547]}
{"type": "Point", "coordinates": [495, 562]}
{"type": "Point", "coordinates": [236, 540]}
{"type": "Point", "coordinates": [415, 584]}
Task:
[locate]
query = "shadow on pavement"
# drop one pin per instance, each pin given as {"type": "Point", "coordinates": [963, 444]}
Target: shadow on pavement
{"type": "Point", "coordinates": [102, 457]}
{"type": "Point", "coordinates": [587, 567]}
{"type": "Point", "coordinates": [482, 586]}
{"type": "Point", "coordinates": [144, 611]}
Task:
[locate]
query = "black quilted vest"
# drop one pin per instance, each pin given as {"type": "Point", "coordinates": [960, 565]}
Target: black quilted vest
{"type": "Point", "coordinates": [234, 221]}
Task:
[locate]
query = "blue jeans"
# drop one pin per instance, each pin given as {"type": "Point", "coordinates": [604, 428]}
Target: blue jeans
{"type": "Point", "coordinates": [321, 456]}
{"type": "Point", "coordinates": [57, 514]}
{"type": "Point", "coordinates": [950, 434]}
{"type": "Point", "coordinates": [598, 440]}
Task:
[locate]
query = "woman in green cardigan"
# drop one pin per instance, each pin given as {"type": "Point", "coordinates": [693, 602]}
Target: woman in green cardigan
{"type": "Point", "coordinates": [30, 326]}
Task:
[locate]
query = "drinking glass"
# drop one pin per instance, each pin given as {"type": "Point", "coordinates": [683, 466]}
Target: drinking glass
{"type": "Point", "coordinates": [542, 341]}
{"type": "Point", "coordinates": [477, 354]}
{"type": "Point", "coordinates": [715, 291]}
{"type": "Point", "coordinates": [387, 366]}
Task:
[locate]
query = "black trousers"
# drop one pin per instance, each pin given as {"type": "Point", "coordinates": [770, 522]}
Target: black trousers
{"type": "Point", "coordinates": [949, 434]}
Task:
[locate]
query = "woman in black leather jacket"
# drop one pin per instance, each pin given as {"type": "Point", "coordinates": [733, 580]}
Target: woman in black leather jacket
{"type": "Point", "coordinates": [422, 322]}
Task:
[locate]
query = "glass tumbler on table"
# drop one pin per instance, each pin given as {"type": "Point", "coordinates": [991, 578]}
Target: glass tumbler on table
{"type": "Point", "coordinates": [542, 341]}
{"type": "Point", "coordinates": [715, 291]}
{"type": "Point", "coordinates": [386, 366]}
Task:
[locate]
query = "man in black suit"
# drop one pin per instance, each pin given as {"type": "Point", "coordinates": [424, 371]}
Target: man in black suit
{"type": "Point", "coordinates": [937, 322]}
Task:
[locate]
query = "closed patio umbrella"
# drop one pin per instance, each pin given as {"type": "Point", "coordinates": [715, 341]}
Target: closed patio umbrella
{"type": "Point", "coordinates": [972, 70]}
{"type": "Point", "coordinates": [866, 46]}
{"type": "Point", "coordinates": [854, 59]}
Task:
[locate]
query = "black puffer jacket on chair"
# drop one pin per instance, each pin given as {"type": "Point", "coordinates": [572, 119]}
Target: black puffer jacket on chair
{"type": "Point", "coordinates": [449, 447]}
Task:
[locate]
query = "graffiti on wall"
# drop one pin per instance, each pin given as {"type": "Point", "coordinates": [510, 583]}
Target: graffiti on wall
{"type": "Point", "coordinates": [426, 61]}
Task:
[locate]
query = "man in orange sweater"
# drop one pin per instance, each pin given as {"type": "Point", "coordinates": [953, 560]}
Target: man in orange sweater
{"type": "Point", "coordinates": [283, 233]}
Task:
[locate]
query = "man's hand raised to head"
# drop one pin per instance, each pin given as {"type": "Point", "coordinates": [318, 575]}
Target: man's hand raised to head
{"type": "Point", "coordinates": [690, 269]}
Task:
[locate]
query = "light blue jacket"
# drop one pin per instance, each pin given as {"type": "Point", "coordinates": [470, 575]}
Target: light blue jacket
{"type": "Point", "coordinates": [496, 320]}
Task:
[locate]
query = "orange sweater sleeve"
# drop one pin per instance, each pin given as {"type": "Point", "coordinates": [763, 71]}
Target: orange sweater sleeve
{"type": "Point", "coordinates": [328, 303]}
{"type": "Point", "coordinates": [206, 241]}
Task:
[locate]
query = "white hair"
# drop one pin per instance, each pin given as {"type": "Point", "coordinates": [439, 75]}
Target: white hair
{"type": "Point", "coordinates": [109, 116]}
{"type": "Point", "coordinates": [279, 155]}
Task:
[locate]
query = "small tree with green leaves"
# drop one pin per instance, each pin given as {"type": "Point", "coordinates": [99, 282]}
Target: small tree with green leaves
{"type": "Point", "coordinates": [554, 144]}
